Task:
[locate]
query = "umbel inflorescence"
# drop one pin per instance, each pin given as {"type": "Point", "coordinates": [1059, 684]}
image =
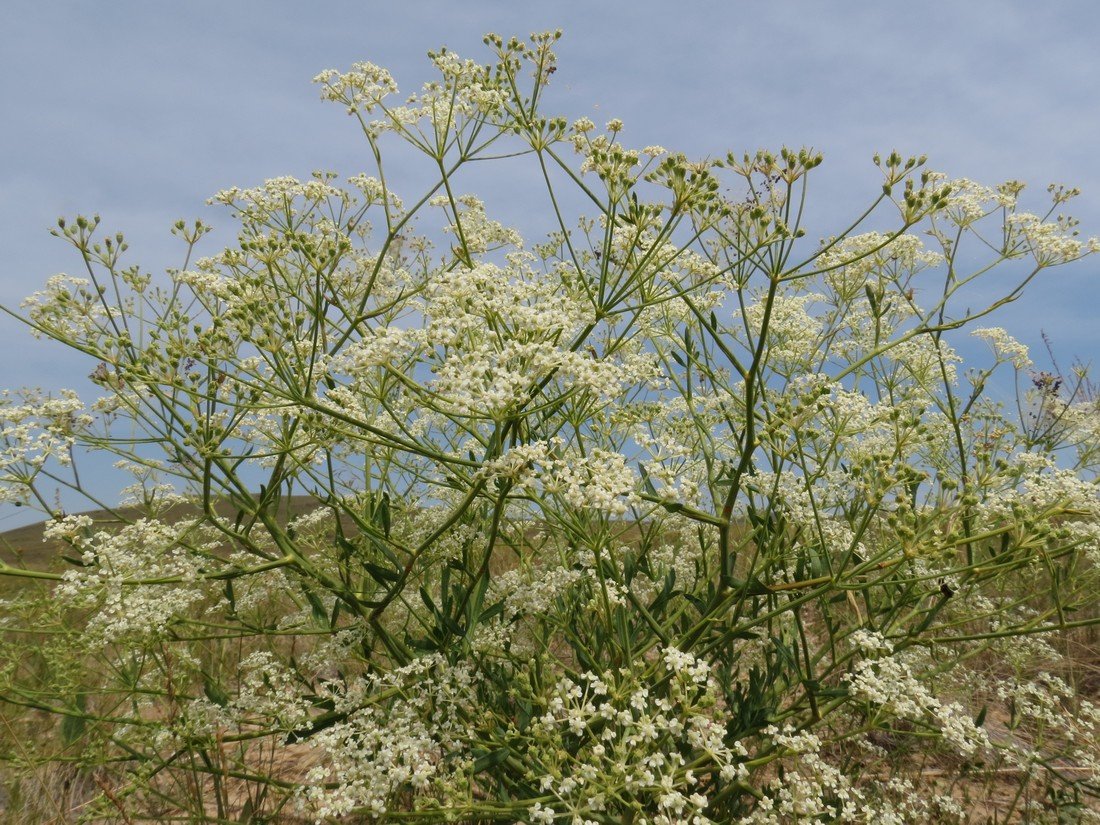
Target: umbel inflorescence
{"type": "Point", "coordinates": [672, 516]}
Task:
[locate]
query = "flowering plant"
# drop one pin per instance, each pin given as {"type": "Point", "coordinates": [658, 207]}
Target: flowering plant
{"type": "Point", "coordinates": [674, 516]}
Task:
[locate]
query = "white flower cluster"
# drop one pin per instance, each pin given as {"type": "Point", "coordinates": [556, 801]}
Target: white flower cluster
{"type": "Point", "coordinates": [514, 297]}
{"type": "Point", "coordinates": [1050, 724]}
{"type": "Point", "coordinates": [324, 659]}
{"type": "Point", "coordinates": [269, 694]}
{"type": "Point", "coordinates": [679, 555]}
{"type": "Point", "coordinates": [113, 564]}
{"type": "Point", "coordinates": [473, 227]}
{"type": "Point", "coordinates": [793, 332]}
{"type": "Point", "coordinates": [532, 592]}
{"type": "Point", "coordinates": [599, 480]}
{"type": "Point", "coordinates": [814, 790]}
{"type": "Point", "coordinates": [466, 91]}
{"type": "Point", "coordinates": [668, 431]}
{"type": "Point", "coordinates": [474, 90]}
{"type": "Point", "coordinates": [686, 665]}
{"type": "Point", "coordinates": [970, 201]}
{"type": "Point", "coordinates": [817, 504]}
{"type": "Point", "coordinates": [375, 191]}
{"type": "Point", "coordinates": [809, 787]}
{"type": "Point", "coordinates": [1036, 485]}
{"type": "Point", "coordinates": [922, 357]}
{"type": "Point", "coordinates": [68, 309]}
{"type": "Point", "coordinates": [36, 428]}
{"type": "Point", "coordinates": [205, 280]}
{"type": "Point", "coordinates": [886, 679]}
{"type": "Point", "coordinates": [1004, 346]}
{"type": "Point", "coordinates": [616, 738]}
{"type": "Point", "coordinates": [487, 379]}
{"type": "Point", "coordinates": [1049, 243]}
{"type": "Point", "coordinates": [360, 89]}
{"type": "Point", "coordinates": [379, 346]}
{"type": "Point", "coordinates": [1080, 420]}
{"type": "Point", "coordinates": [276, 194]}
{"type": "Point", "coordinates": [499, 332]}
{"type": "Point", "coordinates": [401, 734]}
{"type": "Point", "coordinates": [855, 261]}
{"type": "Point", "coordinates": [641, 251]}
{"type": "Point", "coordinates": [610, 161]}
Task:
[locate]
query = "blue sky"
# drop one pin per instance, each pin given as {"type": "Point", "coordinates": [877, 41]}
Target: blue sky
{"type": "Point", "coordinates": [140, 110]}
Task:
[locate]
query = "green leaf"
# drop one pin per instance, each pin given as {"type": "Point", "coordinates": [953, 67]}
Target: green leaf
{"type": "Point", "coordinates": [979, 720]}
{"type": "Point", "coordinates": [318, 724]}
{"type": "Point", "coordinates": [318, 609]}
{"type": "Point", "coordinates": [523, 715]}
{"type": "Point", "coordinates": [73, 725]}
{"type": "Point", "coordinates": [214, 691]}
{"type": "Point", "coordinates": [429, 602]}
{"type": "Point", "coordinates": [657, 606]}
{"type": "Point", "coordinates": [421, 644]}
{"type": "Point", "coordinates": [380, 545]}
{"type": "Point", "coordinates": [473, 606]}
{"type": "Point", "coordinates": [787, 655]}
{"type": "Point", "coordinates": [819, 565]}
{"type": "Point", "coordinates": [871, 298]}
{"type": "Point", "coordinates": [380, 574]}
{"type": "Point", "coordinates": [491, 759]}
{"type": "Point", "coordinates": [382, 516]}
{"type": "Point", "coordinates": [345, 545]}
{"type": "Point", "coordinates": [230, 596]}
{"type": "Point", "coordinates": [492, 611]}
{"type": "Point", "coordinates": [445, 589]}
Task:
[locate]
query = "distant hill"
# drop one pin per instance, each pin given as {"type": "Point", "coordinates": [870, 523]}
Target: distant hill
{"type": "Point", "coordinates": [25, 547]}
